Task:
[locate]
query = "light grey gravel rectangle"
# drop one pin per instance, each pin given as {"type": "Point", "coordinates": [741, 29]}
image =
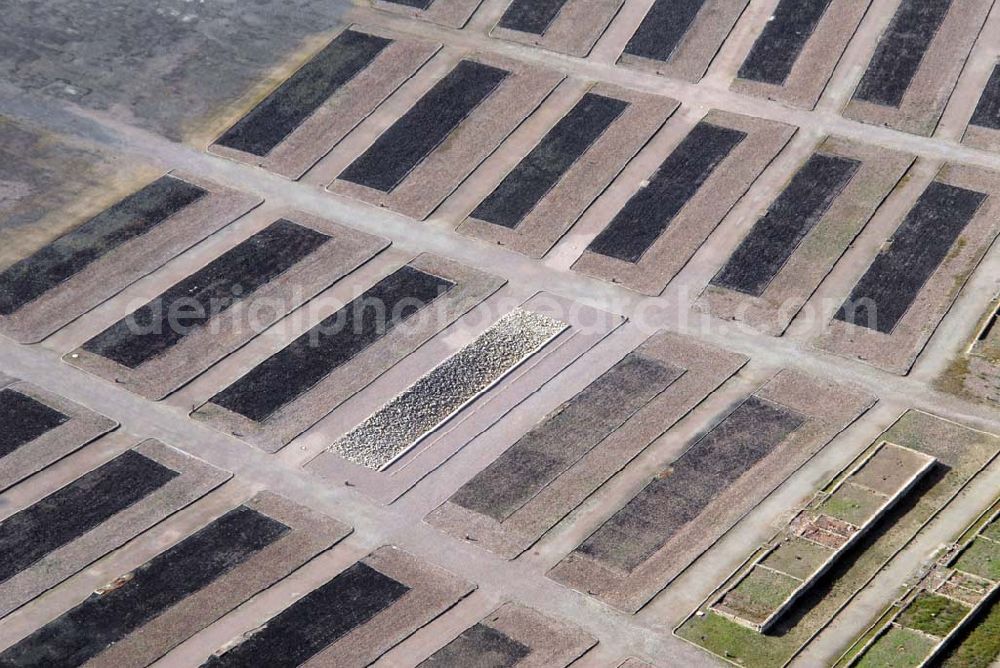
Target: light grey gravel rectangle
{"type": "Point", "coordinates": [417, 411]}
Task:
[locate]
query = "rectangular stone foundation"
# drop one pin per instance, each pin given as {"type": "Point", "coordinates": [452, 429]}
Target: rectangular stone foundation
{"type": "Point", "coordinates": [44, 428]}
{"type": "Point", "coordinates": [345, 368]}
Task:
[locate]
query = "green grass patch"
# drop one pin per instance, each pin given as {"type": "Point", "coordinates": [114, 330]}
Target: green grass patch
{"type": "Point", "coordinates": [982, 558]}
{"type": "Point", "coordinates": [873, 630]}
{"type": "Point", "coordinates": [852, 504]}
{"type": "Point", "coordinates": [980, 646]}
{"type": "Point", "coordinates": [897, 648]}
{"type": "Point", "coordinates": [933, 614]}
{"type": "Point", "coordinates": [978, 525]}
{"type": "Point", "coordinates": [798, 557]}
{"type": "Point", "coordinates": [962, 452]}
{"type": "Point", "coordinates": [993, 530]}
{"type": "Point", "coordinates": [736, 643]}
{"type": "Point", "coordinates": [759, 594]}
{"type": "Point", "coordinates": [849, 469]}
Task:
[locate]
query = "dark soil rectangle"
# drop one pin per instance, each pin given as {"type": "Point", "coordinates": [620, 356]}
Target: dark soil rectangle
{"type": "Point", "coordinates": [416, 4]}
{"type": "Point", "coordinates": [566, 435]}
{"type": "Point", "coordinates": [422, 129]}
{"type": "Point", "coordinates": [479, 645]}
{"type": "Point", "coordinates": [316, 621]}
{"type": "Point", "coordinates": [921, 243]}
{"type": "Point", "coordinates": [898, 647]}
{"type": "Point", "coordinates": [105, 618]}
{"type": "Point", "coordinates": [76, 509]}
{"type": "Point", "coordinates": [697, 477]}
{"type": "Point", "coordinates": [900, 51]}
{"type": "Point", "coordinates": [779, 45]}
{"type": "Point", "coordinates": [531, 16]}
{"type": "Point", "coordinates": [759, 594]}
{"type": "Point", "coordinates": [137, 214]}
{"type": "Point", "coordinates": [981, 558]}
{"type": "Point", "coordinates": [663, 28]}
{"type": "Point", "coordinates": [987, 114]}
{"type": "Point", "coordinates": [798, 557]}
{"type": "Point", "coordinates": [192, 303]}
{"type": "Point", "coordinates": [289, 373]}
{"type": "Point", "coordinates": [24, 419]}
{"type": "Point", "coordinates": [297, 98]}
{"type": "Point", "coordinates": [977, 644]}
{"type": "Point", "coordinates": [789, 219]}
{"type": "Point", "coordinates": [992, 530]}
{"type": "Point", "coordinates": [650, 211]}
{"type": "Point", "coordinates": [541, 169]}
